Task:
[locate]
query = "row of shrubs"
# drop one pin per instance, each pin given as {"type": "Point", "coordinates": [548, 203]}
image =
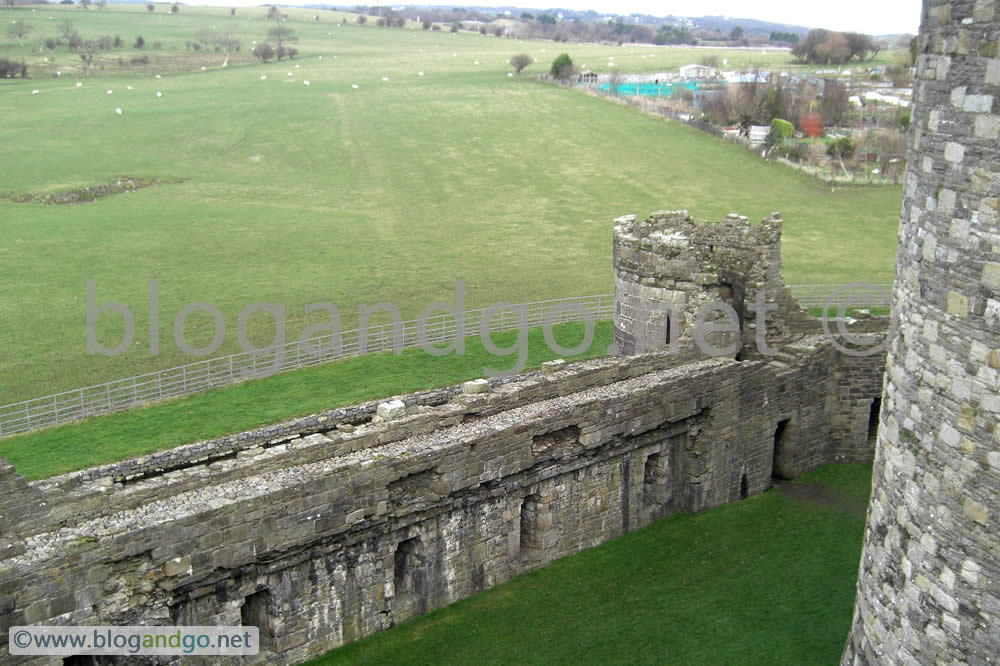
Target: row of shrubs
{"type": "Point", "coordinates": [265, 52]}
{"type": "Point", "coordinates": [11, 69]}
{"type": "Point", "coordinates": [394, 20]}
{"type": "Point", "coordinates": [75, 42]}
{"type": "Point", "coordinates": [198, 46]}
{"type": "Point", "coordinates": [134, 61]}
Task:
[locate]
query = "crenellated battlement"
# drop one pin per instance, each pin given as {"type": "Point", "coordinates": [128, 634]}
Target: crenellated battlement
{"type": "Point", "coordinates": [671, 271]}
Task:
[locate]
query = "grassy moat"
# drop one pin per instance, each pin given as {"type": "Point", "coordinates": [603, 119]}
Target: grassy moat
{"type": "Point", "coordinates": [767, 580]}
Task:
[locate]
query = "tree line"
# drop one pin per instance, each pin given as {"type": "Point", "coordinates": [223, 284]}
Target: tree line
{"type": "Point", "coordinates": [829, 47]}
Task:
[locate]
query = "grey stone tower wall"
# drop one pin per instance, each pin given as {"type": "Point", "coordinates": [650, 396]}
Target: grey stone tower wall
{"type": "Point", "coordinates": [929, 584]}
{"type": "Point", "coordinates": [669, 264]}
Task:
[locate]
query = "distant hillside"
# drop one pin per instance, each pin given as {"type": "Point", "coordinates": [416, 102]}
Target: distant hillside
{"type": "Point", "coordinates": [720, 24]}
{"type": "Point", "coordinates": [750, 26]}
{"type": "Point", "coordinates": [716, 23]}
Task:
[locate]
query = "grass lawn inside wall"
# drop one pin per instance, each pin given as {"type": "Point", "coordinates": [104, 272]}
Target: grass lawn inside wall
{"type": "Point", "coordinates": [768, 580]}
{"type": "Point", "coordinates": [139, 431]}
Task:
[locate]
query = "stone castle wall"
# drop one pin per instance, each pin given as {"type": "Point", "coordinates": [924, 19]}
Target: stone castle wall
{"type": "Point", "coordinates": [929, 584]}
{"type": "Point", "coordinates": [326, 529]}
{"type": "Point", "coordinates": [668, 268]}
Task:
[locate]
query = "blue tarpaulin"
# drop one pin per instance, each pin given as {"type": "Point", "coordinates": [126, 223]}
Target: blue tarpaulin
{"type": "Point", "coordinates": [652, 89]}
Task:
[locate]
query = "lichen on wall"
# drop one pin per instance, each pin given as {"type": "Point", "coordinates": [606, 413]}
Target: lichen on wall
{"type": "Point", "coordinates": [929, 584]}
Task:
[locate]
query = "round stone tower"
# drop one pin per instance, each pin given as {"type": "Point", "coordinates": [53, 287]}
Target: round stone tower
{"type": "Point", "coordinates": [929, 585]}
{"type": "Point", "coordinates": [668, 269]}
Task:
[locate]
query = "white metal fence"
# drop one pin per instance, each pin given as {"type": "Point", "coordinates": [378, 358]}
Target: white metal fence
{"type": "Point", "coordinates": [221, 371]}
{"type": "Point", "coordinates": [859, 294]}
{"type": "Point", "coordinates": [212, 373]}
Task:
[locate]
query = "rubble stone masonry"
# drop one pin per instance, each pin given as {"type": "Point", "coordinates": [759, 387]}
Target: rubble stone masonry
{"type": "Point", "coordinates": [929, 584]}
{"type": "Point", "coordinates": [326, 529]}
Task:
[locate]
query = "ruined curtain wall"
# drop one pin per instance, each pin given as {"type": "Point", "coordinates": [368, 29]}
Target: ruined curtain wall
{"type": "Point", "coordinates": [336, 529]}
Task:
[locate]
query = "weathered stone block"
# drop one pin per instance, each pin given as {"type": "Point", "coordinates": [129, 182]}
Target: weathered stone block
{"type": "Point", "coordinates": [476, 386]}
{"type": "Point", "coordinates": [975, 510]}
{"type": "Point", "coordinates": [391, 410]}
{"type": "Point", "coordinates": [552, 367]}
{"type": "Point", "coordinates": [958, 304]}
{"type": "Point", "coordinates": [987, 127]}
{"type": "Point", "coordinates": [978, 103]}
{"type": "Point", "coordinates": [954, 152]}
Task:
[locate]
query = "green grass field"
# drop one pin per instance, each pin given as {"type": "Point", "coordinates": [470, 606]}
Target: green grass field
{"type": "Point", "coordinates": [769, 580]}
{"type": "Point", "coordinates": [274, 191]}
{"type": "Point", "coordinates": [247, 405]}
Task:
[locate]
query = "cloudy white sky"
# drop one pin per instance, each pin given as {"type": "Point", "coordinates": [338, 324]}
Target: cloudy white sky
{"type": "Point", "coordinates": [877, 17]}
{"type": "Point", "coordinates": [871, 16]}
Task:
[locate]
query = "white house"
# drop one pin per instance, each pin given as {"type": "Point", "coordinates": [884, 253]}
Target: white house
{"type": "Point", "coordinates": [758, 134]}
{"type": "Point", "coordinates": [697, 72]}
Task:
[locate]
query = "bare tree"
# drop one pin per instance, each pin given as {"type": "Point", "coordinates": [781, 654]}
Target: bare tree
{"type": "Point", "coordinates": [10, 3]}
{"type": "Point", "coordinates": [890, 148]}
{"type": "Point", "coordinates": [18, 29]}
{"type": "Point", "coordinates": [264, 52]}
{"type": "Point", "coordinates": [641, 34]}
{"type": "Point", "coordinates": [227, 42]}
{"type": "Point", "coordinates": [835, 50]}
{"type": "Point", "coordinates": [615, 79]}
{"type": "Point", "coordinates": [835, 102]}
{"type": "Point", "coordinates": [66, 29]}
{"type": "Point", "coordinates": [748, 102]}
{"type": "Point", "coordinates": [816, 156]}
{"type": "Point", "coordinates": [89, 46]}
{"type": "Point", "coordinates": [520, 61]}
{"type": "Point", "coordinates": [862, 46]}
{"type": "Point", "coordinates": [683, 98]}
{"type": "Point", "coordinates": [831, 47]}
{"type": "Point", "coordinates": [282, 34]}
{"type": "Point", "coordinates": [841, 148]}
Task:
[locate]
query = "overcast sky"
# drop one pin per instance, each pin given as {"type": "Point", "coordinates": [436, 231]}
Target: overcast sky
{"type": "Point", "coordinates": [871, 16]}
{"type": "Point", "coordinates": [877, 17]}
